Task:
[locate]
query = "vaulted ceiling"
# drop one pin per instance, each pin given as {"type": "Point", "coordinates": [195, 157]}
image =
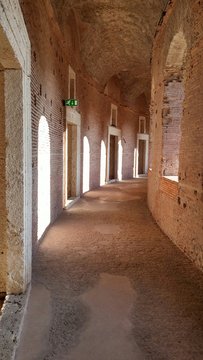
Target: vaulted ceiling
{"type": "Point", "coordinates": [116, 38]}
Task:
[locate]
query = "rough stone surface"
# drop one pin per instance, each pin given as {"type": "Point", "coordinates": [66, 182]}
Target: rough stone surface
{"type": "Point", "coordinates": [105, 269]}
{"type": "Point", "coordinates": [15, 154]}
{"type": "Point", "coordinates": [180, 213]}
{"type": "Point", "coordinates": [49, 85]}
{"type": "Point", "coordinates": [3, 248]}
{"type": "Point", "coordinates": [14, 181]}
{"type": "Point", "coordinates": [108, 44]}
{"type": "Point", "coordinates": [127, 27]}
{"type": "Point", "coordinates": [11, 318]}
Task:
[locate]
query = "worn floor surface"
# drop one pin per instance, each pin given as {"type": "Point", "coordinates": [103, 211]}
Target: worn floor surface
{"type": "Point", "coordinates": [109, 285]}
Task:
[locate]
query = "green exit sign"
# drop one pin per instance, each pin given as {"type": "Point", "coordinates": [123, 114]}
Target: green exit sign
{"type": "Point", "coordinates": [71, 102]}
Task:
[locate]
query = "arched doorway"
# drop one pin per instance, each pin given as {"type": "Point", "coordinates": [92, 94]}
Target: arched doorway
{"type": "Point", "coordinates": [172, 111]}
{"type": "Point", "coordinates": [43, 176]}
{"type": "Point", "coordinates": [86, 164]}
{"type": "Point", "coordinates": [103, 164]}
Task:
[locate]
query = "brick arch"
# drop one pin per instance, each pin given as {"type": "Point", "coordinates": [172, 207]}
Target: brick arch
{"type": "Point", "coordinates": [86, 164]}
{"type": "Point", "coordinates": [103, 164]}
{"type": "Point", "coordinates": [173, 100]}
{"type": "Point", "coordinates": [44, 200]}
{"type": "Point", "coordinates": [176, 56]}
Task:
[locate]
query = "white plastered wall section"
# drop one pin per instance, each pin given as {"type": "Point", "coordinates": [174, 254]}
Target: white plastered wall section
{"type": "Point", "coordinates": [18, 150]}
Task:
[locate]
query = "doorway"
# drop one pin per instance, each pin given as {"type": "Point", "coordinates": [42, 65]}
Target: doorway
{"type": "Point", "coordinates": [44, 173]}
{"type": "Point", "coordinates": [103, 164]}
{"type": "Point", "coordinates": [113, 158]}
{"type": "Point", "coordinates": [114, 155]}
{"type": "Point", "coordinates": [71, 157]}
{"type": "Point", "coordinates": [70, 163]}
{"type": "Point", "coordinates": [86, 164]}
{"type": "Point", "coordinates": [142, 155]}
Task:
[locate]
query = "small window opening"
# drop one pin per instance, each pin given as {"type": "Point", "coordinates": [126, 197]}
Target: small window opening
{"type": "Point", "coordinates": [142, 125]}
{"type": "Point", "coordinates": [113, 121]}
{"type": "Point", "coordinates": [72, 88]}
{"type": "Point", "coordinates": [173, 102]}
{"type": "Point", "coordinates": [72, 84]}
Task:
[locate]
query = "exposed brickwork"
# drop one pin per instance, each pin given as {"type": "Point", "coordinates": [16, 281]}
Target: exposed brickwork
{"type": "Point", "coordinates": [169, 187]}
{"type": "Point", "coordinates": [49, 86]}
{"type": "Point", "coordinates": [180, 217]}
{"type": "Point", "coordinates": [46, 89]}
{"type": "Point", "coordinates": [172, 116]}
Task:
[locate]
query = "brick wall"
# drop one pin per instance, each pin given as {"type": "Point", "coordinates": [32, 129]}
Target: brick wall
{"type": "Point", "coordinates": [172, 116]}
{"type": "Point", "coordinates": [181, 215]}
{"type": "Point", "coordinates": [49, 85]}
{"type": "Point", "coordinates": [169, 187]}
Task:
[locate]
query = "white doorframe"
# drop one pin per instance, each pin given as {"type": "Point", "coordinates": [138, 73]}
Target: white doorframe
{"type": "Point", "coordinates": [72, 118]}
{"type": "Point", "coordinates": [144, 137]}
{"type": "Point", "coordinates": [115, 132]}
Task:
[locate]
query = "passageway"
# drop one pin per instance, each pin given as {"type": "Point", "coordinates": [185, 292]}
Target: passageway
{"type": "Point", "coordinates": [109, 285]}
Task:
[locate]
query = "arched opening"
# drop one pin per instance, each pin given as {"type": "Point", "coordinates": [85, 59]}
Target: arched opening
{"type": "Point", "coordinates": [71, 156]}
{"type": "Point", "coordinates": [172, 111]}
{"type": "Point", "coordinates": [151, 126]}
{"type": "Point", "coordinates": [86, 164]}
{"type": "Point", "coordinates": [120, 160]}
{"type": "Point", "coordinates": [114, 155]}
{"type": "Point", "coordinates": [43, 176]}
{"type": "Point", "coordinates": [103, 164]}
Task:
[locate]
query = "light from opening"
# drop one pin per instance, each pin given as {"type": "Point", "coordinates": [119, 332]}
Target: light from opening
{"type": "Point", "coordinates": [43, 176]}
{"type": "Point", "coordinates": [103, 164]}
{"type": "Point", "coordinates": [86, 164]}
{"type": "Point", "coordinates": [120, 160]}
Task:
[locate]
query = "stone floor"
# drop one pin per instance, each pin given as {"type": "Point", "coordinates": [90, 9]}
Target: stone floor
{"type": "Point", "coordinates": [109, 285]}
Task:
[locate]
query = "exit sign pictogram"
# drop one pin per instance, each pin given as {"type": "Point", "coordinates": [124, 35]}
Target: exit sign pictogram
{"type": "Point", "coordinates": [71, 102]}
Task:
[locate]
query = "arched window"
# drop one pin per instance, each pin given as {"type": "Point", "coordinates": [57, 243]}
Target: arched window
{"type": "Point", "coordinates": [86, 164]}
{"type": "Point", "coordinates": [103, 164]}
{"type": "Point", "coordinates": [174, 93]}
{"type": "Point", "coordinates": [120, 160]}
{"type": "Point", "coordinates": [43, 176]}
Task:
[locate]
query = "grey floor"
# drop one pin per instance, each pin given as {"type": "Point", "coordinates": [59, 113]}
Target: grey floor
{"type": "Point", "coordinates": [109, 285]}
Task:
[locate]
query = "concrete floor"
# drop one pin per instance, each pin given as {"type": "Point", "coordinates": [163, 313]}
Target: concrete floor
{"type": "Point", "coordinates": [109, 285]}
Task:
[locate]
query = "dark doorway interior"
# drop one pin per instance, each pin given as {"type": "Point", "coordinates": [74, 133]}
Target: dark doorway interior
{"type": "Point", "coordinates": [141, 154]}
{"type": "Point", "coordinates": [113, 161]}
